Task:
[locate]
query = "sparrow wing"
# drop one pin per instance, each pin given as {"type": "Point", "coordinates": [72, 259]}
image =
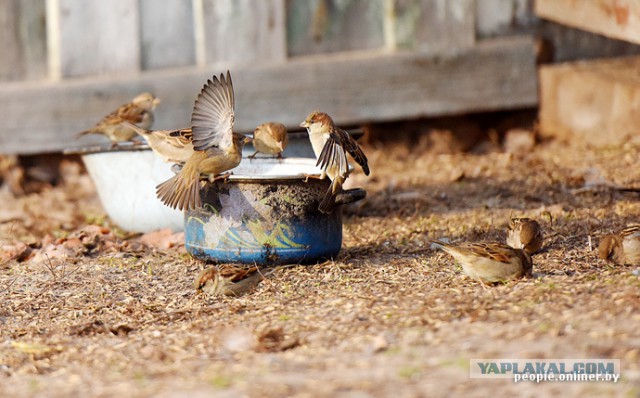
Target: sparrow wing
{"type": "Point", "coordinates": [181, 137]}
{"type": "Point", "coordinates": [350, 145]}
{"type": "Point", "coordinates": [333, 157]}
{"type": "Point", "coordinates": [632, 230]}
{"type": "Point", "coordinates": [129, 112]}
{"type": "Point", "coordinates": [212, 117]}
{"type": "Point", "coordinates": [494, 251]}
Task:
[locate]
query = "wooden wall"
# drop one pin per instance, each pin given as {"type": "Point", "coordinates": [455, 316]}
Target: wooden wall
{"type": "Point", "coordinates": [66, 63]}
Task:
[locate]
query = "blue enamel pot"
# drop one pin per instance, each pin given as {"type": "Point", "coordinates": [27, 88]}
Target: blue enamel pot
{"type": "Point", "coordinates": [266, 214]}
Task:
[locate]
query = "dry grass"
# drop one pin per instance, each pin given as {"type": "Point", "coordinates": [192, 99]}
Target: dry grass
{"type": "Point", "coordinates": [388, 317]}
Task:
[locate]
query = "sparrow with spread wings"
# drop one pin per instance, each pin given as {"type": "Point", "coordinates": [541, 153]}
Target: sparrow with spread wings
{"type": "Point", "coordinates": [217, 148]}
{"type": "Point", "coordinates": [331, 145]}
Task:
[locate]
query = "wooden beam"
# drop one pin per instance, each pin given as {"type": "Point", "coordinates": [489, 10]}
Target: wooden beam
{"type": "Point", "coordinates": [591, 101]}
{"type": "Point", "coordinates": [619, 19]}
{"type": "Point", "coordinates": [352, 87]}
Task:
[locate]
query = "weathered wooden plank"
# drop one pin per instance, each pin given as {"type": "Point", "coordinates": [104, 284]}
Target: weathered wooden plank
{"type": "Point", "coordinates": [619, 19]}
{"type": "Point", "coordinates": [167, 33]}
{"type": "Point", "coordinates": [591, 101]}
{"type": "Point", "coordinates": [93, 37]}
{"type": "Point", "coordinates": [373, 86]}
{"type": "Point", "coordinates": [498, 17]}
{"type": "Point", "coordinates": [321, 26]}
{"type": "Point", "coordinates": [23, 40]}
{"type": "Point", "coordinates": [244, 31]}
{"type": "Point", "coordinates": [431, 26]}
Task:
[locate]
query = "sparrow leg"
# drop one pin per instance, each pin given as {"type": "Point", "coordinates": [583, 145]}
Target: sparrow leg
{"type": "Point", "coordinates": [252, 156]}
{"type": "Point", "coordinates": [280, 156]}
{"type": "Point", "coordinates": [224, 177]}
{"type": "Point", "coordinates": [313, 176]}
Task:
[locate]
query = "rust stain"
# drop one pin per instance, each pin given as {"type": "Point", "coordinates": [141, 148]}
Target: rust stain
{"type": "Point", "coordinates": [621, 12]}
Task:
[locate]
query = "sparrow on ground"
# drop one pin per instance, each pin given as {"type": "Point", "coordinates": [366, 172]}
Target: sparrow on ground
{"type": "Point", "coordinates": [217, 148]}
{"type": "Point", "coordinates": [270, 138]}
{"type": "Point", "coordinates": [139, 112]}
{"type": "Point", "coordinates": [489, 262]}
{"type": "Point", "coordinates": [525, 233]}
{"type": "Point", "coordinates": [622, 248]}
{"type": "Point", "coordinates": [330, 145]}
{"type": "Point", "coordinates": [173, 146]}
{"type": "Point", "coordinates": [232, 279]}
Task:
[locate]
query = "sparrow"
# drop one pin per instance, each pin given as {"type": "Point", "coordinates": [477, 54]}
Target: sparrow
{"type": "Point", "coordinates": [216, 147]}
{"type": "Point", "coordinates": [173, 146]}
{"type": "Point", "coordinates": [139, 111]}
{"type": "Point", "coordinates": [330, 145]}
{"type": "Point", "coordinates": [232, 279]}
{"type": "Point", "coordinates": [489, 262]}
{"type": "Point", "coordinates": [525, 233]}
{"type": "Point", "coordinates": [270, 138]}
{"type": "Point", "coordinates": [622, 248]}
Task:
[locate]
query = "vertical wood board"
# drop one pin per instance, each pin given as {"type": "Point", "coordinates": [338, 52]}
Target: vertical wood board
{"type": "Point", "coordinates": [96, 37]}
{"type": "Point", "coordinates": [433, 26]}
{"type": "Point", "coordinates": [323, 26]}
{"type": "Point", "coordinates": [166, 33]}
{"type": "Point", "coordinates": [244, 31]}
{"type": "Point", "coordinates": [23, 40]}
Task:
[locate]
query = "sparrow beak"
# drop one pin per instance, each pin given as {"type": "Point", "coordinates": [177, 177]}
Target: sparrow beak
{"type": "Point", "coordinates": [156, 101]}
{"type": "Point", "coordinates": [304, 124]}
{"type": "Point", "coordinates": [247, 139]}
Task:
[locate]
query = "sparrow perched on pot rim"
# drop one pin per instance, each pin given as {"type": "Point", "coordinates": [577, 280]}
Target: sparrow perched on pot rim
{"type": "Point", "coordinates": [139, 112]}
{"type": "Point", "coordinates": [622, 248]}
{"type": "Point", "coordinates": [232, 279]}
{"type": "Point", "coordinates": [173, 146]}
{"type": "Point", "coordinates": [525, 233]}
{"type": "Point", "coordinates": [216, 147]}
{"type": "Point", "coordinates": [331, 145]}
{"type": "Point", "coordinates": [270, 138]}
{"type": "Point", "coordinates": [489, 262]}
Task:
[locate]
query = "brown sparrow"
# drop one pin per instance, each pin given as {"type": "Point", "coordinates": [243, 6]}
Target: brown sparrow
{"type": "Point", "coordinates": [232, 279]}
{"type": "Point", "coordinates": [173, 146]}
{"type": "Point", "coordinates": [489, 262]}
{"type": "Point", "coordinates": [216, 147]}
{"type": "Point", "coordinates": [139, 112]}
{"type": "Point", "coordinates": [330, 145]}
{"type": "Point", "coordinates": [270, 139]}
{"type": "Point", "coordinates": [622, 248]}
{"type": "Point", "coordinates": [525, 233]}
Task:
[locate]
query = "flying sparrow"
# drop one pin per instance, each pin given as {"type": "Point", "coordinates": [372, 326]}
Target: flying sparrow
{"type": "Point", "coordinates": [622, 248]}
{"type": "Point", "coordinates": [525, 233]}
{"type": "Point", "coordinates": [489, 262]}
{"type": "Point", "coordinates": [173, 146]}
{"type": "Point", "coordinates": [232, 279]}
{"type": "Point", "coordinates": [270, 138]}
{"type": "Point", "coordinates": [330, 145]}
{"type": "Point", "coordinates": [139, 111]}
{"type": "Point", "coordinates": [216, 147]}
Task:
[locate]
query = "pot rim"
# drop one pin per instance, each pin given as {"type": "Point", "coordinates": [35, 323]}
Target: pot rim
{"type": "Point", "coordinates": [246, 177]}
{"type": "Point", "coordinates": [106, 148]}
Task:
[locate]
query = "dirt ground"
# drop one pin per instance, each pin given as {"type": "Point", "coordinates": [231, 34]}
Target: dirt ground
{"type": "Point", "coordinates": [88, 310]}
